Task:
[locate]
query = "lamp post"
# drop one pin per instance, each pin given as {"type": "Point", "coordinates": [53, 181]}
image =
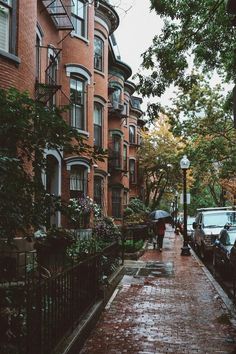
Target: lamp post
{"type": "Point", "coordinates": [176, 209]}
{"type": "Point", "coordinates": [184, 164]}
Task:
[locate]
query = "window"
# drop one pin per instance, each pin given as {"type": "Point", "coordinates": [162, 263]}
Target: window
{"type": "Point", "coordinates": [97, 121]}
{"type": "Point", "coordinates": [98, 53]}
{"type": "Point", "coordinates": [51, 76]}
{"type": "Point", "coordinates": [132, 171]}
{"type": "Point", "coordinates": [116, 150]}
{"type": "Point", "coordinates": [5, 25]}
{"type": "Point", "coordinates": [125, 156]}
{"type": "Point", "coordinates": [77, 96]}
{"type": "Point", "coordinates": [98, 190]}
{"type": "Point", "coordinates": [132, 134]}
{"type": "Point", "coordinates": [125, 199]}
{"type": "Point", "coordinates": [126, 111]}
{"type": "Point", "coordinates": [116, 203]}
{"type": "Point", "coordinates": [38, 61]}
{"type": "Point", "coordinates": [116, 97]}
{"type": "Point", "coordinates": [79, 17]}
{"type": "Point", "coordinates": [78, 181]}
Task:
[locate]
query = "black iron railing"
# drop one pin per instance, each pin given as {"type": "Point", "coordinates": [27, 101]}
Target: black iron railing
{"type": "Point", "coordinates": [43, 301]}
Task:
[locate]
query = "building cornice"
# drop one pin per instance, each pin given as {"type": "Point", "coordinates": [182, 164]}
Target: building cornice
{"type": "Point", "coordinates": [107, 15]}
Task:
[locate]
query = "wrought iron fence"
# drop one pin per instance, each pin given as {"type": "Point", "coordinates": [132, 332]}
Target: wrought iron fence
{"type": "Point", "coordinates": [39, 307]}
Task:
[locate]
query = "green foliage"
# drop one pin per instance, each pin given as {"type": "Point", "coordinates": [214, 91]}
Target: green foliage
{"type": "Point", "coordinates": [136, 212]}
{"type": "Point", "coordinates": [199, 32]}
{"type": "Point", "coordinates": [105, 229]}
{"type": "Point", "coordinates": [200, 119]}
{"type": "Point", "coordinates": [159, 158]}
{"type": "Point", "coordinates": [137, 205]}
{"type": "Point", "coordinates": [133, 246]}
{"type": "Point", "coordinates": [27, 129]}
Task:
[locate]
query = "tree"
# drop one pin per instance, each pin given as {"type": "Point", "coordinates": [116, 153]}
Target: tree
{"type": "Point", "coordinates": [27, 129]}
{"type": "Point", "coordinates": [159, 159]}
{"type": "Point", "coordinates": [201, 117]}
{"type": "Point", "coordinates": [197, 33]}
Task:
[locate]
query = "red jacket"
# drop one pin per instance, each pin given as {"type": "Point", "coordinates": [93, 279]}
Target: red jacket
{"type": "Point", "coordinates": [159, 228]}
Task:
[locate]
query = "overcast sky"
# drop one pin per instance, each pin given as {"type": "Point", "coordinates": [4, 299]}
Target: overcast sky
{"type": "Point", "coordinates": [136, 30]}
{"type": "Point", "coordinates": [134, 35]}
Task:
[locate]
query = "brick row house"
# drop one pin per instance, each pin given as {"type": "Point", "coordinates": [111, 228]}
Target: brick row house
{"type": "Point", "coordinates": [64, 52]}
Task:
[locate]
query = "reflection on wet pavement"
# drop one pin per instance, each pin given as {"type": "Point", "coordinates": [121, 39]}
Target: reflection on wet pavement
{"type": "Point", "coordinates": [164, 304]}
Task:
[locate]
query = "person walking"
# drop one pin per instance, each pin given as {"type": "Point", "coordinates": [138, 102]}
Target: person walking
{"type": "Point", "coordinates": [159, 231]}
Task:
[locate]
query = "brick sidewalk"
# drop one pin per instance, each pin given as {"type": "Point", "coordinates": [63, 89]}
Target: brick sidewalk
{"type": "Point", "coordinates": [179, 311]}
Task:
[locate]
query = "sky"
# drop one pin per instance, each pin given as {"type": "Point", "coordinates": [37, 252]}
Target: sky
{"type": "Point", "coordinates": [138, 25]}
{"type": "Point", "coordinates": [137, 28]}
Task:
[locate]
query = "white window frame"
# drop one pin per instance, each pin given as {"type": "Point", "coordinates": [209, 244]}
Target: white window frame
{"type": "Point", "coordinates": [5, 35]}
{"type": "Point", "coordinates": [73, 117]}
{"type": "Point", "coordinates": [79, 19]}
{"type": "Point", "coordinates": [99, 57]}
{"type": "Point", "coordinates": [98, 124]}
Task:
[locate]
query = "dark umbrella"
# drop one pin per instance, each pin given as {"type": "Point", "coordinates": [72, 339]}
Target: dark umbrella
{"type": "Point", "coordinates": [160, 214]}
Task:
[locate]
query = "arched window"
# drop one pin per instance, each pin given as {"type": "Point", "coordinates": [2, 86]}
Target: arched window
{"type": "Point", "coordinates": [98, 53]}
{"type": "Point", "coordinates": [78, 181]}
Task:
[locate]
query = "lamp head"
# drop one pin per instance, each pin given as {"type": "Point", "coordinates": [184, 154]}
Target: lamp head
{"type": "Point", "coordinates": [184, 163]}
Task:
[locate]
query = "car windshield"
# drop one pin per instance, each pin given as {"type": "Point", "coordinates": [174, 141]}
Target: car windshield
{"type": "Point", "coordinates": [220, 219]}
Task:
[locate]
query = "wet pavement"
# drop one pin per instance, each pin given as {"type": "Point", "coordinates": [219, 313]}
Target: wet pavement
{"type": "Point", "coordinates": [165, 303]}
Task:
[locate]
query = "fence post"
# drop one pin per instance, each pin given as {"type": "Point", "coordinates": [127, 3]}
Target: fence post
{"type": "Point", "coordinates": [123, 234]}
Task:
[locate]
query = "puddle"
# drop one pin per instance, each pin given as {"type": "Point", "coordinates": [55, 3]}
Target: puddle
{"type": "Point", "coordinates": [155, 269]}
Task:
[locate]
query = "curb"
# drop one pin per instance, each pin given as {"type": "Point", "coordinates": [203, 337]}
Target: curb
{"type": "Point", "coordinates": [222, 294]}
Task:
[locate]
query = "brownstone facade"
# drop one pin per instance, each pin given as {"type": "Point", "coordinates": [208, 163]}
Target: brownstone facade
{"type": "Point", "coordinates": [65, 52]}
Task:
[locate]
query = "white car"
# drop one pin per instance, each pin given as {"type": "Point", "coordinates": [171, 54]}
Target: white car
{"type": "Point", "coordinates": [207, 226]}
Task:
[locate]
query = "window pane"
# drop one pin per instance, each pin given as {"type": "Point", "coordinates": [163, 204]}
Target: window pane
{"type": "Point", "coordinates": [125, 157]}
{"type": "Point", "coordinates": [78, 17]}
{"type": "Point", "coordinates": [4, 28]}
{"type": "Point", "coordinates": [98, 114]}
{"type": "Point", "coordinates": [131, 134]}
{"type": "Point", "coordinates": [98, 191]}
{"type": "Point", "coordinates": [116, 203]}
{"type": "Point", "coordinates": [132, 171]}
{"type": "Point", "coordinates": [77, 179]}
{"type": "Point", "coordinates": [98, 53]}
{"type": "Point", "coordinates": [77, 99]}
{"type": "Point", "coordinates": [97, 135]}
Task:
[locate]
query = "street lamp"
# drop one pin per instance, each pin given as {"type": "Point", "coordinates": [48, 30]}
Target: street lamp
{"type": "Point", "coordinates": [176, 209]}
{"type": "Point", "coordinates": [184, 164]}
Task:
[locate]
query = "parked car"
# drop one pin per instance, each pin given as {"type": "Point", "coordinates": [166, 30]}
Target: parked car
{"type": "Point", "coordinates": [190, 229]}
{"type": "Point", "coordinates": [224, 250]}
{"type": "Point", "coordinates": [207, 227]}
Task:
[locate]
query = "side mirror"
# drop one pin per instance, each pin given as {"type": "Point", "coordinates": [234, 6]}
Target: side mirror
{"type": "Point", "coordinates": [194, 225]}
{"type": "Point", "coordinates": [217, 242]}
